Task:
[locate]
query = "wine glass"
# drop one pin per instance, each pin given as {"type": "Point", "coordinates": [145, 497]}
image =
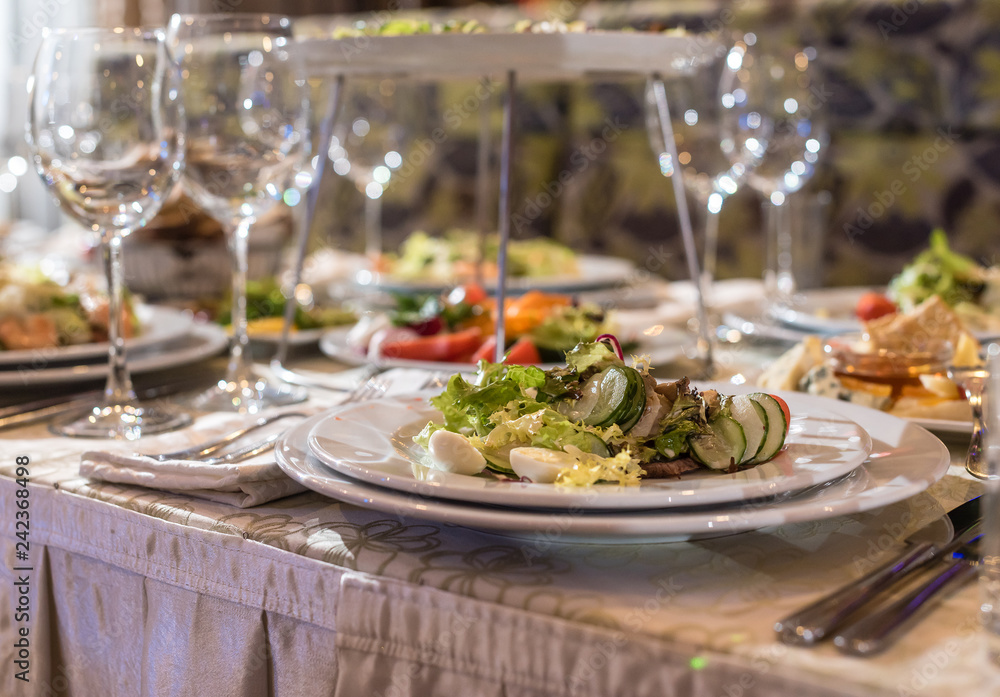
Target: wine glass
{"type": "Point", "coordinates": [246, 104]}
{"type": "Point", "coordinates": [782, 91]}
{"type": "Point", "coordinates": [368, 142]}
{"type": "Point", "coordinates": [714, 166]}
{"type": "Point", "coordinates": [106, 134]}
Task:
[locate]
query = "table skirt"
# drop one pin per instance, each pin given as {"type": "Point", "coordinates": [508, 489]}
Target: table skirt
{"type": "Point", "coordinates": [123, 603]}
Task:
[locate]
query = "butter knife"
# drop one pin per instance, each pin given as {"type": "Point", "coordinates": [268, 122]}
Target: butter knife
{"type": "Point", "coordinates": [817, 621]}
{"type": "Point", "coordinates": [875, 632]}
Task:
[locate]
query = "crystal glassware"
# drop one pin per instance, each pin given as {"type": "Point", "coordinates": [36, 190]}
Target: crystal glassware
{"type": "Point", "coordinates": [782, 95]}
{"type": "Point", "coordinates": [106, 133]}
{"type": "Point", "coordinates": [369, 141]}
{"type": "Point", "coordinates": [714, 165]}
{"type": "Point", "coordinates": [246, 105]}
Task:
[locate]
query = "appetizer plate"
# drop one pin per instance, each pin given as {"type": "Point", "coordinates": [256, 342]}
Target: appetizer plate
{"type": "Point", "coordinates": [831, 311]}
{"type": "Point", "coordinates": [202, 341]}
{"type": "Point", "coordinates": [159, 325]}
{"type": "Point", "coordinates": [595, 272]}
{"type": "Point", "coordinates": [373, 442]}
{"type": "Point", "coordinates": [906, 460]}
{"type": "Point", "coordinates": [665, 346]}
{"type": "Point", "coordinates": [541, 56]}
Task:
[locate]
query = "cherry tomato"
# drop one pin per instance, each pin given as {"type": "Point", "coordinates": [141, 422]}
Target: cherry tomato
{"type": "Point", "coordinates": [784, 407]}
{"type": "Point", "coordinates": [873, 305]}
{"type": "Point", "coordinates": [470, 294]}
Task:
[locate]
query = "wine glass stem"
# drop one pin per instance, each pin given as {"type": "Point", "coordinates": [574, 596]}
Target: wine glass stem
{"type": "Point", "coordinates": [779, 281]}
{"type": "Point", "coordinates": [711, 250]}
{"type": "Point", "coordinates": [118, 389]}
{"type": "Point", "coordinates": [239, 369]}
{"type": "Point", "coordinates": [373, 226]}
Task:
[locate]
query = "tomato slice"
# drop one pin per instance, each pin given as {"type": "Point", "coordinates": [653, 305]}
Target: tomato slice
{"type": "Point", "coordinates": [485, 351]}
{"type": "Point", "coordinates": [440, 347]}
{"type": "Point", "coordinates": [523, 352]}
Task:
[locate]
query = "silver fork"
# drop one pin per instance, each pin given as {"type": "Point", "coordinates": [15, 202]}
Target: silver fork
{"type": "Point", "coordinates": [373, 388]}
{"type": "Point", "coordinates": [203, 450]}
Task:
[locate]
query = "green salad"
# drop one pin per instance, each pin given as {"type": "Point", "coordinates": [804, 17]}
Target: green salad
{"type": "Point", "coordinates": [453, 256]}
{"type": "Point", "coordinates": [969, 288]}
{"type": "Point", "coordinates": [596, 419]}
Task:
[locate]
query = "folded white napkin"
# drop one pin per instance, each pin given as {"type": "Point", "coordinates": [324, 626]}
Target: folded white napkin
{"type": "Point", "coordinates": [243, 484]}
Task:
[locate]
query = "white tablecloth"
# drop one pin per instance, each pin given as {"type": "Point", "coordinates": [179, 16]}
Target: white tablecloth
{"type": "Point", "coordinates": [141, 592]}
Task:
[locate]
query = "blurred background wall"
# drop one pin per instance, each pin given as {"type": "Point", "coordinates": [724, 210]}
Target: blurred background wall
{"type": "Point", "coordinates": [913, 97]}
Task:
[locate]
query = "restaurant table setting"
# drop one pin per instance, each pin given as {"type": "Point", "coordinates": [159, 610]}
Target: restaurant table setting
{"type": "Point", "coordinates": [412, 589]}
{"type": "Point", "coordinates": [279, 530]}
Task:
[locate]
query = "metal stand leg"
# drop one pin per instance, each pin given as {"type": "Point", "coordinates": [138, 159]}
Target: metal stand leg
{"type": "Point", "coordinates": [304, 224]}
{"type": "Point", "coordinates": [483, 224]}
{"type": "Point", "coordinates": [663, 112]}
{"type": "Point", "coordinates": [506, 148]}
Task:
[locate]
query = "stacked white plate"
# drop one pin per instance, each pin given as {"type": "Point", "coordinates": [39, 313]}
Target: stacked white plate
{"type": "Point", "coordinates": [363, 453]}
{"type": "Point", "coordinates": [168, 338]}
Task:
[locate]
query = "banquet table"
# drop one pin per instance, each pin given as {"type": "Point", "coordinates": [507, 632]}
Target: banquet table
{"type": "Point", "coordinates": [136, 591]}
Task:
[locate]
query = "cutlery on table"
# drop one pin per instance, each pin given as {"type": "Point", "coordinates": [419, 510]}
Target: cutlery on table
{"type": "Point", "coordinates": [203, 450]}
{"type": "Point", "coordinates": [971, 380]}
{"type": "Point", "coordinates": [875, 632]}
{"type": "Point", "coordinates": [373, 388]}
{"type": "Point", "coordinates": [817, 621]}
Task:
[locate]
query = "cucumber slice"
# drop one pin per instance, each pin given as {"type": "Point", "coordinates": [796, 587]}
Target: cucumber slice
{"type": "Point", "coordinates": [752, 417]}
{"type": "Point", "coordinates": [498, 459]}
{"type": "Point", "coordinates": [596, 446]}
{"type": "Point", "coordinates": [616, 395]}
{"type": "Point", "coordinates": [637, 407]}
{"type": "Point", "coordinates": [774, 441]}
{"type": "Point", "coordinates": [723, 446]}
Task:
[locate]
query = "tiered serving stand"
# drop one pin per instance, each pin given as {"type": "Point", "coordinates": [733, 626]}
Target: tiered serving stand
{"type": "Point", "coordinates": [511, 58]}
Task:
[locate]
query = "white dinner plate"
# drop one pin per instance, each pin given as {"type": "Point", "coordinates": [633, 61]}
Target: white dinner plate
{"type": "Point", "coordinates": [944, 425]}
{"type": "Point", "coordinates": [202, 341]}
{"type": "Point", "coordinates": [594, 272]}
{"type": "Point", "coordinates": [665, 346]}
{"type": "Point", "coordinates": [159, 325]}
{"type": "Point", "coordinates": [298, 337]}
{"type": "Point", "coordinates": [906, 460]}
{"type": "Point", "coordinates": [373, 442]}
{"type": "Point", "coordinates": [831, 311]}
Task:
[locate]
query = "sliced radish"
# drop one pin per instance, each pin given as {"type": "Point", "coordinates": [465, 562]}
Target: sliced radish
{"type": "Point", "coordinates": [777, 427]}
{"type": "Point", "coordinates": [752, 417]}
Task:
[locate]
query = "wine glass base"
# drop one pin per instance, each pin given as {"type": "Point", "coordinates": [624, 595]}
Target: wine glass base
{"type": "Point", "coordinates": [122, 422]}
{"type": "Point", "coordinates": [249, 396]}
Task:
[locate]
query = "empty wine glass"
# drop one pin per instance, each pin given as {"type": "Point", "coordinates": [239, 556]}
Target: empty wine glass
{"type": "Point", "coordinates": [246, 105]}
{"type": "Point", "coordinates": [369, 141]}
{"type": "Point", "coordinates": [105, 130]}
{"type": "Point", "coordinates": [714, 165]}
{"type": "Point", "coordinates": [781, 91]}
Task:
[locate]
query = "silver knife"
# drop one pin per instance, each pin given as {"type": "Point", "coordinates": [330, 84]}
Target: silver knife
{"type": "Point", "coordinates": [875, 632]}
{"type": "Point", "coordinates": [817, 621]}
